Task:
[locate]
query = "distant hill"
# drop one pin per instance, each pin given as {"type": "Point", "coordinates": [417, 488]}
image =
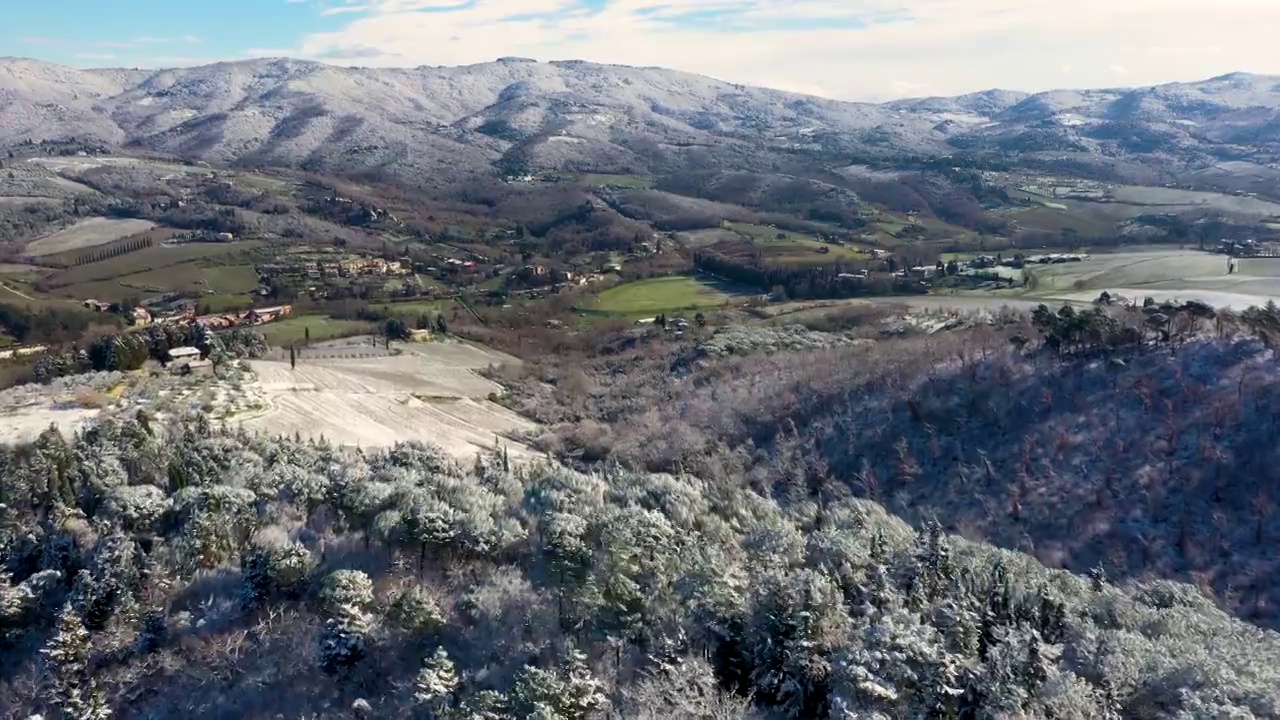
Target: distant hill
{"type": "Point", "coordinates": [431, 124]}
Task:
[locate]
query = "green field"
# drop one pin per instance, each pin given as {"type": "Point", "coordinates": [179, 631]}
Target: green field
{"type": "Point", "coordinates": [153, 258]}
{"type": "Point", "coordinates": [214, 304]}
{"type": "Point", "coordinates": [293, 331]}
{"type": "Point", "coordinates": [1053, 220]}
{"type": "Point", "coordinates": [638, 182]}
{"type": "Point", "coordinates": [959, 256]}
{"type": "Point", "coordinates": [647, 298]}
{"type": "Point", "coordinates": [795, 248]}
{"type": "Point", "coordinates": [235, 281]}
{"type": "Point", "coordinates": [219, 279]}
{"type": "Point", "coordinates": [13, 292]}
{"type": "Point", "coordinates": [413, 309]}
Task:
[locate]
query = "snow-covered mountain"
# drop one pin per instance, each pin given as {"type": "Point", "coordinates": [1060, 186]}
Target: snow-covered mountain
{"type": "Point", "coordinates": [433, 123]}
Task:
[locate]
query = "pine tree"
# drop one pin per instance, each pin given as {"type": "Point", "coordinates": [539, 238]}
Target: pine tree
{"type": "Point", "coordinates": [934, 559]}
{"type": "Point", "coordinates": [943, 691]}
{"type": "Point", "coordinates": [1109, 700]}
{"type": "Point", "coordinates": [343, 644]}
{"type": "Point", "coordinates": [14, 603]}
{"type": "Point", "coordinates": [585, 696]}
{"type": "Point", "coordinates": [435, 684]}
{"type": "Point", "coordinates": [70, 690]}
{"type": "Point", "coordinates": [972, 700]}
{"type": "Point", "coordinates": [154, 632]}
{"type": "Point", "coordinates": [1097, 578]}
{"type": "Point", "coordinates": [571, 694]}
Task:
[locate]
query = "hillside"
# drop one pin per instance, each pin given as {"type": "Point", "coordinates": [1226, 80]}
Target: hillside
{"type": "Point", "coordinates": [1146, 463]}
{"type": "Point", "coordinates": [193, 573]}
{"type": "Point", "coordinates": [429, 124]}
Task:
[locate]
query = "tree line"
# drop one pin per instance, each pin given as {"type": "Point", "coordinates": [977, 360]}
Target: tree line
{"type": "Point", "coordinates": [123, 352]}
{"type": "Point", "coordinates": [806, 283]}
{"type": "Point", "coordinates": [111, 250]}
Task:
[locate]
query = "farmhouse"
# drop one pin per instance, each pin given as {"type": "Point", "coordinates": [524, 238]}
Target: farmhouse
{"type": "Point", "coordinates": [267, 314]}
{"type": "Point", "coordinates": [218, 322]}
{"type": "Point", "coordinates": [97, 305]}
{"type": "Point", "coordinates": [250, 317]}
{"type": "Point", "coordinates": [181, 357]}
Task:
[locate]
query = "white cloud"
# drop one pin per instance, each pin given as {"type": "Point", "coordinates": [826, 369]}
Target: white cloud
{"type": "Point", "coordinates": [344, 9]}
{"type": "Point", "coordinates": [946, 46]}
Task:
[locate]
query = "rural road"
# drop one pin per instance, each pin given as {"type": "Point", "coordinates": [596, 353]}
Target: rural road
{"type": "Point", "coordinates": [19, 293]}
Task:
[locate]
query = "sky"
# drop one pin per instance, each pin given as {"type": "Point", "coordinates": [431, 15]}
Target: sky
{"type": "Point", "coordinates": [843, 49]}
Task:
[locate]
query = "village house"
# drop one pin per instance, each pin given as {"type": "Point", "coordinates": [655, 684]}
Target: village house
{"type": "Point", "coordinates": [97, 305]}
{"type": "Point", "coordinates": [267, 314]}
{"type": "Point", "coordinates": [181, 357]}
{"type": "Point", "coordinates": [217, 322]}
{"type": "Point", "coordinates": [141, 316]}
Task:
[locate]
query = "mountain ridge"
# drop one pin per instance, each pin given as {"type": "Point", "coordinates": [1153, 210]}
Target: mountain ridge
{"type": "Point", "coordinates": [522, 115]}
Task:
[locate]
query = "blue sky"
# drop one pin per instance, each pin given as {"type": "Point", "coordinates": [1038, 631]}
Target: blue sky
{"type": "Point", "coordinates": [854, 49]}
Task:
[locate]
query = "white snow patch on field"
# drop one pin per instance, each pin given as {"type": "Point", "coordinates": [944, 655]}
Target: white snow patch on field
{"type": "Point", "coordinates": [22, 425]}
{"type": "Point", "coordinates": [87, 233]}
{"type": "Point", "coordinates": [1171, 275]}
{"type": "Point", "coordinates": [431, 393]}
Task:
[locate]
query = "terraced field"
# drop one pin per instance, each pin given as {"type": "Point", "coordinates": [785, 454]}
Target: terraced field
{"type": "Point", "coordinates": [86, 234]}
{"type": "Point", "coordinates": [794, 248]}
{"type": "Point", "coordinates": [1162, 275]}
{"type": "Point", "coordinates": [430, 393]}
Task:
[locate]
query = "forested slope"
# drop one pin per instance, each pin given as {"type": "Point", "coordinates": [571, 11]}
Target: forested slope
{"type": "Point", "coordinates": [193, 573]}
{"type": "Point", "coordinates": [1150, 459]}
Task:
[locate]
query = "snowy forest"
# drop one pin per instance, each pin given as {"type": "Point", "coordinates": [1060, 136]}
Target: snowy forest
{"type": "Point", "coordinates": [192, 571]}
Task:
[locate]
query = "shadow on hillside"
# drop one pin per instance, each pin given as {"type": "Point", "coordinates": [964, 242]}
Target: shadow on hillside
{"type": "Point", "coordinates": [1165, 465]}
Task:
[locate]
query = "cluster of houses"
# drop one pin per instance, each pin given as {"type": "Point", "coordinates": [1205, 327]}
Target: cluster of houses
{"type": "Point", "coordinates": [367, 213]}
{"type": "Point", "coordinates": [141, 316]}
{"type": "Point", "coordinates": [256, 316]}
{"type": "Point", "coordinates": [187, 314]}
{"type": "Point", "coordinates": [352, 267]}
{"type": "Point", "coordinates": [1248, 247]}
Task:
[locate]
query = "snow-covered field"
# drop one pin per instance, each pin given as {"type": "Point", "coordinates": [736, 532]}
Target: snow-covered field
{"type": "Point", "coordinates": [23, 424]}
{"type": "Point", "coordinates": [1184, 200]}
{"type": "Point", "coordinates": [75, 165]}
{"type": "Point", "coordinates": [87, 233]}
{"type": "Point", "coordinates": [1163, 275]}
{"type": "Point", "coordinates": [432, 393]}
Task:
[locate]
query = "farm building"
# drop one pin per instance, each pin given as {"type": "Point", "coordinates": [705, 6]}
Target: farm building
{"type": "Point", "coordinates": [181, 357]}
{"type": "Point", "coordinates": [268, 314]}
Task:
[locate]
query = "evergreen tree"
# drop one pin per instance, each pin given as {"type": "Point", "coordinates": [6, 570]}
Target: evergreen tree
{"type": "Point", "coordinates": [435, 684]}
{"type": "Point", "coordinates": [71, 692]}
{"type": "Point", "coordinates": [342, 644]}
{"type": "Point", "coordinates": [573, 693]}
